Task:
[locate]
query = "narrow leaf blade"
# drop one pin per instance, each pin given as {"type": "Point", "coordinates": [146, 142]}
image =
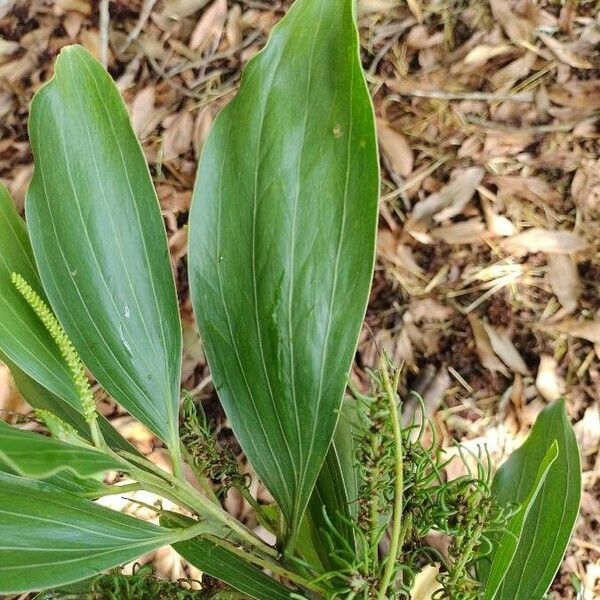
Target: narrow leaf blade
{"type": "Point", "coordinates": [36, 456]}
{"type": "Point", "coordinates": [50, 537]}
{"type": "Point", "coordinates": [220, 563]}
{"type": "Point", "coordinates": [551, 518]}
{"type": "Point", "coordinates": [23, 338]}
{"type": "Point", "coordinates": [493, 573]}
{"type": "Point", "coordinates": [282, 236]}
{"type": "Point", "coordinates": [99, 241]}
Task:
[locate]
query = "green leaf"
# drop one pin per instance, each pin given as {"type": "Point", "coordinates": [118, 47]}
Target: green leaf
{"type": "Point", "coordinates": [493, 572]}
{"type": "Point", "coordinates": [23, 338]}
{"type": "Point", "coordinates": [334, 494]}
{"type": "Point", "coordinates": [36, 456]}
{"type": "Point", "coordinates": [100, 244]}
{"type": "Point", "coordinates": [40, 397]}
{"type": "Point", "coordinates": [551, 518]}
{"type": "Point", "coordinates": [49, 537]}
{"type": "Point", "coordinates": [220, 563]}
{"type": "Point", "coordinates": [26, 347]}
{"type": "Point", "coordinates": [282, 236]}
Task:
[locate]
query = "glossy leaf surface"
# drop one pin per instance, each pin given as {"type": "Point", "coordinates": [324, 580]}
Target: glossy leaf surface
{"type": "Point", "coordinates": [550, 521]}
{"type": "Point", "coordinates": [492, 574]}
{"type": "Point", "coordinates": [50, 537]}
{"type": "Point", "coordinates": [37, 456]}
{"type": "Point", "coordinates": [220, 563]}
{"type": "Point", "coordinates": [100, 243]}
{"type": "Point", "coordinates": [282, 236]}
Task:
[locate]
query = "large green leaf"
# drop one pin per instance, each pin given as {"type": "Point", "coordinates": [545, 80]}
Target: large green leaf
{"type": "Point", "coordinates": [493, 571]}
{"type": "Point", "coordinates": [282, 236]}
{"type": "Point", "coordinates": [99, 241]}
{"type": "Point", "coordinates": [551, 518]}
{"type": "Point", "coordinates": [36, 456]}
{"type": "Point", "coordinates": [49, 537]}
{"type": "Point", "coordinates": [26, 347]}
{"type": "Point", "coordinates": [220, 563]}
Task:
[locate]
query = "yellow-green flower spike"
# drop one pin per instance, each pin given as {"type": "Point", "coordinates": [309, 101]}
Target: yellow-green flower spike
{"type": "Point", "coordinates": [64, 344]}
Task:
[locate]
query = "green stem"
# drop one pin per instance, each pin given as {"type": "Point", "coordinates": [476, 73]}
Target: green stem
{"type": "Point", "coordinates": [182, 493]}
{"type": "Point", "coordinates": [271, 565]}
{"type": "Point", "coordinates": [394, 550]}
{"type": "Point", "coordinates": [113, 490]}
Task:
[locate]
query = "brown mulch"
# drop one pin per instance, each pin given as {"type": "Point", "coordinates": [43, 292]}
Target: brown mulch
{"type": "Point", "coordinates": [487, 283]}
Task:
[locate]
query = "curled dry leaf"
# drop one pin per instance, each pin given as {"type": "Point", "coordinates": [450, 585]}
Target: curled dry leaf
{"type": "Point", "coordinates": [564, 53]}
{"type": "Point", "coordinates": [588, 429]}
{"type": "Point", "coordinates": [178, 9]}
{"type": "Point", "coordinates": [481, 53]}
{"type": "Point", "coordinates": [395, 149]}
{"type": "Point", "coordinates": [497, 225]}
{"type": "Point", "coordinates": [564, 280]}
{"type": "Point", "coordinates": [548, 383]}
{"type": "Point", "coordinates": [583, 95]}
{"type": "Point", "coordinates": [546, 240]}
{"type": "Point", "coordinates": [450, 201]}
{"type": "Point", "coordinates": [484, 348]}
{"type": "Point", "coordinates": [505, 350]}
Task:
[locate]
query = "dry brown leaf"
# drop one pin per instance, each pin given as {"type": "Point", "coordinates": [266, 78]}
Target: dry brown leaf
{"type": "Point", "coordinates": [577, 94]}
{"type": "Point", "coordinates": [546, 240]}
{"type": "Point", "coordinates": [505, 78]}
{"type": "Point", "coordinates": [177, 138]}
{"type": "Point", "coordinates": [505, 350]}
{"type": "Point", "coordinates": [564, 280]}
{"type": "Point", "coordinates": [484, 349]}
{"type": "Point", "coordinates": [235, 28]}
{"type": "Point", "coordinates": [586, 330]}
{"type": "Point", "coordinates": [82, 6]}
{"type": "Point", "coordinates": [451, 199]}
{"type": "Point", "coordinates": [497, 225]}
{"type": "Point", "coordinates": [548, 383]}
{"type": "Point", "coordinates": [178, 9]}
{"type": "Point", "coordinates": [564, 53]}
{"type": "Point", "coordinates": [7, 47]}
{"type": "Point", "coordinates": [481, 53]}
{"type": "Point", "coordinates": [210, 26]}
{"type": "Point", "coordinates": [588, 429]}
{"type": "Point", "coordinates": [419, 38]}
{"type": "Point", "coordinates": [143, 116]}
{"type": "Point", "coordinates": [366, 7]}
{"type": "Point", "coordinates": [395, 149]}
{"type": "Point", "coordinates": [465, 232]}
{"type": "Point", "coordinates": [202, 126]}
{"type": "Point", "coordinates": [585, 187]}
{"type": "Point", "coordinates": [533, 189]}
{"type": "Point", "coordinates": [518, 29]}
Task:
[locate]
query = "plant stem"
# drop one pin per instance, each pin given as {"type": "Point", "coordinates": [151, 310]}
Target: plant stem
{"type": "Point", "coordinates": [271, 565]}
{"type": "Point", "coordinates": [394, 550]}
{"type": "Point", "coordinates": [113, 490]}
{"type": "Point", "coordinates": [182, 493]}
